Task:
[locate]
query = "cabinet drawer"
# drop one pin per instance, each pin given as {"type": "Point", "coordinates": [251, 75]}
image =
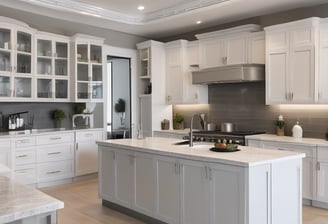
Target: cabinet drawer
{"type": "Point", "coordinates": [24, 157]}
{"type": "Point", "coordinates": [323, 154]}
{"type": "Point", "coordinates": [25, 142]}
{"type": "Point", "coordinates": [55, 170]}
{"type": "Point", "coordinates": [55, 138]}
{"type": "Point", "coordinates": [5, 145]}
{"type": "Point", "coordinates": [54, 153]}
{"type": "Point", "coordinates": [25, 174]}
{"type": "Point", "coordinates": [90, 135]}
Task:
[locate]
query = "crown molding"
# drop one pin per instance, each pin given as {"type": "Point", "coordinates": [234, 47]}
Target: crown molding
{"type": "Point", "coordinates": [155, 16]}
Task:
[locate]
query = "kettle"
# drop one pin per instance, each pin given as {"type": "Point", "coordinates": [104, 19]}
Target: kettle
{"type": "Point", "coordinates": [297, 130]}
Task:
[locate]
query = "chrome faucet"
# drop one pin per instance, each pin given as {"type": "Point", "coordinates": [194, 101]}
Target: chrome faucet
{"type": "Point", "coordinates": [202, 123]}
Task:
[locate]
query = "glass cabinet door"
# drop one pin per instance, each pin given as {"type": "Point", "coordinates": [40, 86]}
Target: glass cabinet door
{"type": "Point", "coordinates": [61, 88]}
{"type": "Point", "coordinates": [44, 57]}
{"type": "Point", "coordinates": [44, 88]}
{"type": "Point", "coordinates": [95, 54]}
{"type": "Point", "coordinates": [97, 73]}
{"type": "Point", "coordinates": [24, 47]}
{"type": "Point", "coordinates": [82, 53]}
{"type": "Point", "coordinates": [97, 91]}
{"type": "Point", "coordinates": [22, 87]}
{"type": "Point", "coordinates": [82, 90]}
{"type": "Point", "coordinates": [5, 50]}
{"type": "Point", "coordinates": [4, 86]}
{"type": "Point", "coordinates": [61, 59]}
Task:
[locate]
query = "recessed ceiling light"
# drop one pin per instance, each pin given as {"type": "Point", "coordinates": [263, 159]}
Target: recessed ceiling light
{"type": "Point", "coordinates": [141, 7]}
{"type": "Point", "coordinates": [199, 22]}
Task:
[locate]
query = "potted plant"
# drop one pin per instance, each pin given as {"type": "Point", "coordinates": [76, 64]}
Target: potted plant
{"type": "Point", "coordinates": [280, 123]}
{"type": "Point", "coordinates": [58, 116]}
{"type": "Point", "coordinates": [178, 121]}
{"type": "Point", "coordinates": [120, 108]}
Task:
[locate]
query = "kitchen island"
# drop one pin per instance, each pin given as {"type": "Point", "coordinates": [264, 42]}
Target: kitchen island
{"type": "Point", "coordinates": [162, 182]}
{"type": "Point", "coordinates": [23, 204]}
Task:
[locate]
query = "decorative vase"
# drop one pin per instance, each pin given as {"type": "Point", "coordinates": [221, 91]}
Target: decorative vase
{"type": "Point", "coordinates": [178, 126]}
{"type": "Point", "coordinates": [280, 131]}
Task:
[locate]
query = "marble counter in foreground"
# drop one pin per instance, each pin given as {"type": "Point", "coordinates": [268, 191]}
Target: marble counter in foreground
{"type": "Point", "coordinates": [248, 156]}
{"type": "Point", "coordinates": [19, 202]}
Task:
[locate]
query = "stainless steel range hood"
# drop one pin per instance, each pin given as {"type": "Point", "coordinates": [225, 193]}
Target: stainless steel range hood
{"type": "Point", "coordinates": [229, 74]}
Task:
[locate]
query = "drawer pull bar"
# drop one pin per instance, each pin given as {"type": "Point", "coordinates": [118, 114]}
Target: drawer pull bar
{"type": "Point", "coordinates": [55, 138]}
{"type": "Point", "coordinates": [24, 141]}
{"type": "Point", "coordinates": [21, 156]}
{"type": "Point", "coordinates": [54, 153]}
{"type": "Point", "coordinates": [54, 172]}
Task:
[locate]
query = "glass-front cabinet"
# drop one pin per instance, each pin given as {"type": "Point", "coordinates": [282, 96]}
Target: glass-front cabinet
{"type": "Point", "coordinates": [88, 68]}
{"type": "Point", "coordinates": [16, 50]}
{"type": "Point", "coordinates": [52, 67]}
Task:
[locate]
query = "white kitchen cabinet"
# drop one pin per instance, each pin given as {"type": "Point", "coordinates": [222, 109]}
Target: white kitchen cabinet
{"type": "Point", "coordinates": [86, 153]}
{"type": "Point", "coordinates": [256, 48]}
{"type": "Point", "coordinates": [152, 87]}
{"type": "Point", "coordinates": [228, 47]}
{"type": "Point", "coordinates": [168, 189]}
{"type": "Point", "coordinates": [195, 193]}
{"type": "Point", "coordinates": [322, 174]}
{"type": "Point", "coordinates": [52, 67]}
{"type": "Point", "coordinates": [145, 183]}
{"type": "Point", "coordinates": [291, 69]}
{"type": "Point", "coordinates": [125, 175]}
{"type": "Point", "coordinates": [107, 173]}
{"type": "Point", "coordinates": [179, 88]}
{"type": "Point", "coordinates": [16, 50]}
{"type": "Point", "coordinates": [87, 68]}
{"type": "Point", "coordinates": [323, 65]}
{"type": "Point", "coordinates": [308, 168]}
{"type": "Point", "coordinates": [5, 152]}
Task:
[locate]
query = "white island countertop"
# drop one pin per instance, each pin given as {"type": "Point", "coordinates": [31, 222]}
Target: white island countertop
{"type": "Point", "coordinates": [246, 157]}
{"type": "Point", "coordinates": [18, 201]}
{"type": "Point", "coordinates": [289, 139]}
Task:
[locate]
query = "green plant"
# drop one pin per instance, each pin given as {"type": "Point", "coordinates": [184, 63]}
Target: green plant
{"type": "Point", "coordinates": [59, 114]}
{"type": "Point", "coordinates": [280, 124]}
{"type": "Point", "coordinates": [79, 108]}
{"type": "Point", "coordinates": [120, 106]}
{"type": "Point", "coordinates": [178, 118]}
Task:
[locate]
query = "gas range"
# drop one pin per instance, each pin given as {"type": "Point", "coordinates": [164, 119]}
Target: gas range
{"type": "Point", "coordinates": [235, 137]}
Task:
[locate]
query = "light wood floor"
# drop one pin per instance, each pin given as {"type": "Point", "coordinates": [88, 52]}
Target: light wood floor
{"type": "Point", "coordinates": [82, 205]}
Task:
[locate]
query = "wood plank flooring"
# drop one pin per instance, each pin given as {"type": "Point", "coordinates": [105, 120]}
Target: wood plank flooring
{"type": "Point", "coordinates": [82, 205]}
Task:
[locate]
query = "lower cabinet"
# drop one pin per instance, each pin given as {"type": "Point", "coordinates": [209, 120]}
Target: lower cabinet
{"type": "Point", "coordinates": [86, 153]}
{"type": "Point", "coordinates": [308, 166]}
{"type": "Point", "coordinates": [322, 174]}
{"type": "Point", "coordinates": [5, 152]}
{"type": "Point", "coordinates": [176, 190]}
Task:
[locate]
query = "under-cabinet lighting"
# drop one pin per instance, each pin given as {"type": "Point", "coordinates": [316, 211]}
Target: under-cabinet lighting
{"type": "Point", "coordinates": [199, 22]}
{"type": "Point", "coordinates": [303, 107]}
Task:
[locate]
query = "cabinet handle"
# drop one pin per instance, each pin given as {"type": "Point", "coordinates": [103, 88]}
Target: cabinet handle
{"type": "Point", "coordinates": [286, 96]}
{"type": "Point", "coordinates": [318, 165]}
{"type": "Point", "coordinates": [209, 173]}
{"type": "Point", "coordinates": [55, 138]}
{"type": "Point", "coordinates": [280, 149]}
{"type": "Point", "coordinates": [54, 172]}
{"type": "Point", "coordinates": [54, 153]}
{"type": "Point", "coordinates": [21, 156]}
{"type": "Point", "coordinates": [169, 98]}
{"type": "Point", "coordinates": [292, 96]}
{"type": "Point", "coordinates": [177, 168]}
{"type": "Point", "coordinates": [114, 156]}
{"type": "Point", "coordinates": [24, 141]}
{"type": "Point", "coordinates": [206, 173]}
{"type": "Point", "coordinates": [77, 147]}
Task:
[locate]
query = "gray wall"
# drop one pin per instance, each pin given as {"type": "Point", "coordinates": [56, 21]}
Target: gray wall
{"type": "Point", "coordinates": [265, 20]}
{"type": "Point", "coordinates": [244, 105]}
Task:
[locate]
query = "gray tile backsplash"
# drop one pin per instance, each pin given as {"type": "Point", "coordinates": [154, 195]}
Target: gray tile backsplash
{"type": "Point", "coordinates": [244, 105]}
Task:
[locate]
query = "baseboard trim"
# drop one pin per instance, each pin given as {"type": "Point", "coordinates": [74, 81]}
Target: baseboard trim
{"type": "Point", "coordinates": [320, 204]}
{"type": "Point", "coordinates": [85, 177]}
{"type": "Point", "coordinates": [131, 213]}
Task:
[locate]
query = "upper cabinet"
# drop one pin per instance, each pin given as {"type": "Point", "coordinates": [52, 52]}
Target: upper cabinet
{"type": "Point", "coordinates": [52, 67]}
{"type": "Point", "coordinates": [181, 58]}
{"type": "Point", "coordinates": [291, 65]}
{"type": "Point", "coordinates": [87, 67]}
{"type": "Point", "coordinates": [323, 65]}
{"type": "Point", "coordinates": [231, 46]}
{"type": "Point", "coordinates": [16, 49]}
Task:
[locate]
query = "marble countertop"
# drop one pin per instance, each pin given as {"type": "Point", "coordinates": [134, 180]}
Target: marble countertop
{"type": "Point", "coordinates": [18, 201]}
{"type": "Point", "coordinates": [246, 157]}
{"type": "Point", "coordinates": [289, 139]}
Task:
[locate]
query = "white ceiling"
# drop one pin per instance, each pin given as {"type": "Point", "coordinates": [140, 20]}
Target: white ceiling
{"type": "Point", "coordinates": [161, 18]}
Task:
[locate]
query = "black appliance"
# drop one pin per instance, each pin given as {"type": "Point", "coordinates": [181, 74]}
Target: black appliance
{"type": "Point", "coordinates": [235, 137]}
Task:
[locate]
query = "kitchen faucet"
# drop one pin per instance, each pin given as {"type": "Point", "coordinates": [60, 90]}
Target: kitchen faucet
{"type": "Point", "coordinates": [202, 123]}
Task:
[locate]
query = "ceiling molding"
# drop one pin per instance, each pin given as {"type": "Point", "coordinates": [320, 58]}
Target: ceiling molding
{"type": "Point", "coordinates": [140, 19]}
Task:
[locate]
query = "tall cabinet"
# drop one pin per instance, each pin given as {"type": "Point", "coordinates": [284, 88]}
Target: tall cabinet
{"type": "Point", "coordinates": [152, 105]}
{"type": "Point", "coordinates": [87, 66]}
{"type": "Point", "coordinates": [16, 50]}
